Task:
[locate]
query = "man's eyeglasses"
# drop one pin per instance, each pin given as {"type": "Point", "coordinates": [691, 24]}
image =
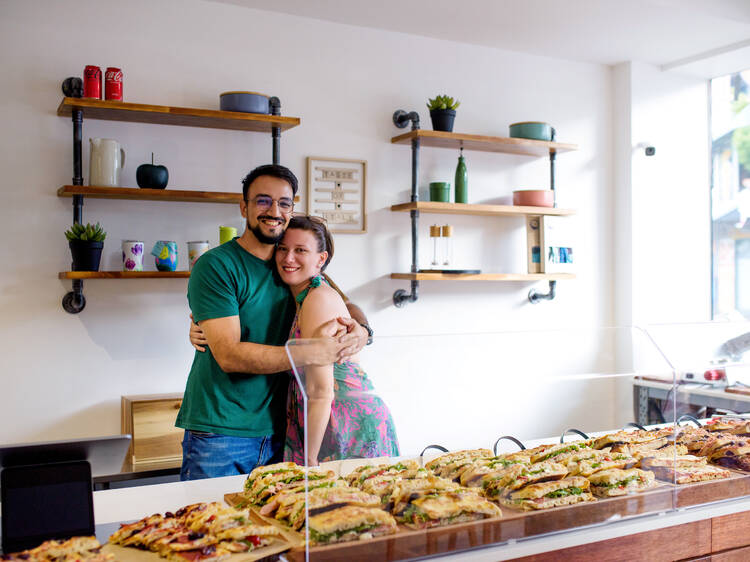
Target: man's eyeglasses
{"type": "Point", "coordinates": [264, 202]}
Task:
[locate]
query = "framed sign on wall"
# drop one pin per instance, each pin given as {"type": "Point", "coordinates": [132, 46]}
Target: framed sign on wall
{"type": "Point", "coordinates": [336, 192]}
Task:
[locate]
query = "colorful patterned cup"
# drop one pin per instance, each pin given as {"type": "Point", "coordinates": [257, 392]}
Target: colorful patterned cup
{"type": "Point", "coordinates": [132, 255]}
{"type": "Point", "coordinates": [195, 250]}
{"type": "Point", "coordinates": [226, 233]}
{"type": "Point", "coordinates": [165, 254]}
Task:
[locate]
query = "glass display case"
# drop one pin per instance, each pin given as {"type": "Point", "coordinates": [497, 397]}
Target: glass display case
{"type": "Point", "coordinates": [436, 444]}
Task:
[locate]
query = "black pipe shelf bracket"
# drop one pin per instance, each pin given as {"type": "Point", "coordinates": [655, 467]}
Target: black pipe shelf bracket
{"type": "Point", "coordinates": [401, 119]}
{"type": "Point", "coordinates": [74, 302]}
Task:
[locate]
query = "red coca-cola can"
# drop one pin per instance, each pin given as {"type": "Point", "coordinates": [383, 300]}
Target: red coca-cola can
{"type": "Point", "coordinates": [92, 82]}
{"type": "Point", "coordinates": [113, 84]}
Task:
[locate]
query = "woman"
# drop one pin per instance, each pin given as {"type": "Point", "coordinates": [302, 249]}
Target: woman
{"type": "Point", "coordinates": [345, 418]}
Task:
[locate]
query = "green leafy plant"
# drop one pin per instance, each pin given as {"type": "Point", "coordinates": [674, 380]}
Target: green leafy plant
{"type": "Point", "coordinates": [442, 102]}
{"type": "Point", "coordinates": [92, 233]}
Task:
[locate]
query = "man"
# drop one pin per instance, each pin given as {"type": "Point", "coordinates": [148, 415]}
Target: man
{"type": "Point", "coordinates": [234, 406]}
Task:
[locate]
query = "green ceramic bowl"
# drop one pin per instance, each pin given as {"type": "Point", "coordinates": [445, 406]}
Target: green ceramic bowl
{"type": "Point", "coordinates": [532, 130]}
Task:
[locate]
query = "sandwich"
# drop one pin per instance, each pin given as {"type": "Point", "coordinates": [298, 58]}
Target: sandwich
{"type": "Point", "coordinates": [282, 497]}
{"type": "Point", "coordinates": [520, 475]}
{"type": "Point", "coordinates": [668, 451]}
{"type": "Point", "coordinates": [448, 458]}
{"type": "Point", "coordinates": [483, 469]}
{"type": "Point", "coordinates": [553, 451]}
{"type": "Point", "coordinates": [625, 437]}
{"type": "Point", "coordinates": [619, 482]}
{"type": "Point", "coordinates": [544, 495]}
{"type": "Point", "coordinates": [321, 500]}
{"type": "Point", "coordinates": [446, 508]}
{"type": "Point", "coordinates": [382, 486]}
{"type": "Point", "coordinates": [406, 490]}
{"type": "Point", "coordinates": [265, 487]}
{"type": "Point", "coordinates": [350, 523]}
{"type": "Point", "coordinates": [683, 469]}
{"type": "Point", "coordinates": [587, 467]}
{"type": "Point", "coordinates": [362, 473]}
{"type": "Point", "coordinates": [650, 445]}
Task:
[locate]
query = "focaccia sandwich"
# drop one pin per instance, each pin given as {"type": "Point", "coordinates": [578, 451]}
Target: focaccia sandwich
{"type": "Point", "coordinates": [619, 482]}
{"type": "Point", "coordinates": [545, 495]}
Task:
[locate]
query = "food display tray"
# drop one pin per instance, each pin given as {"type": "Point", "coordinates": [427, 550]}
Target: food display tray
{"type": "Point", "coordinates": [409, 543]}
{"type": "Point", "coordinates": [127, 554]}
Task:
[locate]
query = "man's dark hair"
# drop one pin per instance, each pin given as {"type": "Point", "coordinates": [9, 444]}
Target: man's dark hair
{"type": "Point", "coordinates": [273, 170]}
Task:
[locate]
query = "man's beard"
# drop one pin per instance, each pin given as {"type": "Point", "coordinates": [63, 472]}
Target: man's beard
{"type": "Point", "coordinates": [261, 236]}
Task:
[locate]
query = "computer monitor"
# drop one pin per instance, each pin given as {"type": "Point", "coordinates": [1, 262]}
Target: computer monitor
{"type": "Point", "coordinates": [46, 488]}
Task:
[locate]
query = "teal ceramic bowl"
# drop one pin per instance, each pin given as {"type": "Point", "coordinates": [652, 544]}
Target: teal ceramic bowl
{"type": "Point", "coordinates": [440, 191]}
{"type": "Point", "coordinates": [532, 130]}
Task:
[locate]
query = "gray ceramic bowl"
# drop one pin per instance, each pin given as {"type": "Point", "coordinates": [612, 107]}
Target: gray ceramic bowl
{"type": "Point", "coordinates": [532, 130]}
{"type": "Point", "coordinates": [245, 102]}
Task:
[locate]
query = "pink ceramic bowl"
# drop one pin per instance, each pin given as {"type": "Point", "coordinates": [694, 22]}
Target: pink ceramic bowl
{"type": "Point", "coordinates": [534, 198]}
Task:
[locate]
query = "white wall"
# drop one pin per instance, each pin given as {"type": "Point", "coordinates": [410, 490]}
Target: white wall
{"type": "Point", "coordinates": [663, 240]}
{"type": "Point", "coordinates": [63, 374]}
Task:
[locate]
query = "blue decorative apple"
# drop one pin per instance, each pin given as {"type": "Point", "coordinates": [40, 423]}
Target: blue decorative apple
{"type": "Point", "coordinates": [152, 177]}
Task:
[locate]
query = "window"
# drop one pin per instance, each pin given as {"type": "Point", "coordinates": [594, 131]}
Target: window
{"type": "Point", "coordinates": [730, 196]}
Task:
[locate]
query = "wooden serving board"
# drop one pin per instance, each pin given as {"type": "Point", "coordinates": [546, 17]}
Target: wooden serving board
{"type": "Point", "coordinates": [294, 538]}
{"type": "Point", "coordinates": [126, 554]}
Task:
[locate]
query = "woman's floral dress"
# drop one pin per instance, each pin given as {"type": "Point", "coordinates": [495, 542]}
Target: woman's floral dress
{"type": "Point", "coordinates": [360, 425]}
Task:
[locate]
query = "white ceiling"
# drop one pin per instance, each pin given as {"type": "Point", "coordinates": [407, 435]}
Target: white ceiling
{"type": "Point", "coordinates": [661, 32]}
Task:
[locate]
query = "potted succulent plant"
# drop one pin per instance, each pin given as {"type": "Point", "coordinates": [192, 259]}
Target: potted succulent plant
{"type": "Point", "coordinates": [86, 244]}
{"type": "Point", "coordinates": [442, 112]}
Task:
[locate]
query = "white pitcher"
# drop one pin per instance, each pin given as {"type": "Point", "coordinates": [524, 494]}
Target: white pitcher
{"type": "Point", "coordinates": [107, 159]}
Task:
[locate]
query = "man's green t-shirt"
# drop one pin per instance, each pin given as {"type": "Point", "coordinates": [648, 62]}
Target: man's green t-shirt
{"type": "Point", "coordinates": [230, 281]}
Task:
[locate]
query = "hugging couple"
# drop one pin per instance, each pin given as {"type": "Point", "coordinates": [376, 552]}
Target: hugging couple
{"type": "Point", "coordinates": [241, 409]}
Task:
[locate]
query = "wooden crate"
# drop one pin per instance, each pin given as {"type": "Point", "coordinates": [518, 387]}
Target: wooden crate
{"type": "Point", "coordinates": [150, 419]}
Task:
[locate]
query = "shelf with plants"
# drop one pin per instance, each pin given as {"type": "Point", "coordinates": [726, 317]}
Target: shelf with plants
{"type": "Point", "coordinates": [418, 138]}
{"type": "Point", "coordinates": [482, 143]}
{"type": "Point", "coordinates": [78, 108]}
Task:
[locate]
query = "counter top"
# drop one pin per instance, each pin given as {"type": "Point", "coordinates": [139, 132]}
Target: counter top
{"type": "Point", "coordinates": [128, 504]}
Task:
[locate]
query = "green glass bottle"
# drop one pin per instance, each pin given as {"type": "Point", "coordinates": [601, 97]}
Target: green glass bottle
{"type": "Point", "coordinates": [462, 180]}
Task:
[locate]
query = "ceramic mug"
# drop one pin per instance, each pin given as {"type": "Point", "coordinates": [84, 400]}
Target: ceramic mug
{"type": "Point", "coordinates": [107, 159]}
{"type": "Point", "coordinates": [195, 250]}
{"type": "Point", "coordinates": [165, 255]}
{"type": "Point", "coordinates": [440, 191]}
{"type": "Point", "coordinates": [132, 255]}
{"type": "Point", "coordinates": [226, 233]}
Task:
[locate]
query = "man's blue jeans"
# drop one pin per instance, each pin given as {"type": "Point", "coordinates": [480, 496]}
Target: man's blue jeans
{"type": "Point", "coordinates": [209, 455]}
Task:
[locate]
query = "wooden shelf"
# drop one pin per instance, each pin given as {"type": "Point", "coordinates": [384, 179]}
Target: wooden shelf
{"type": "Point", "coordinates": [123, 275]}
{"type": "Point", "coordinates": [183, 116]}
{"type": "Point", "coordinates": [137, 193]}
{"type": "Point", "coordinates": [485, 210]}
{"type": "Point", "coordinates": [483, 276]}
{"type": "Point", "coordinates": [483, 143]}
